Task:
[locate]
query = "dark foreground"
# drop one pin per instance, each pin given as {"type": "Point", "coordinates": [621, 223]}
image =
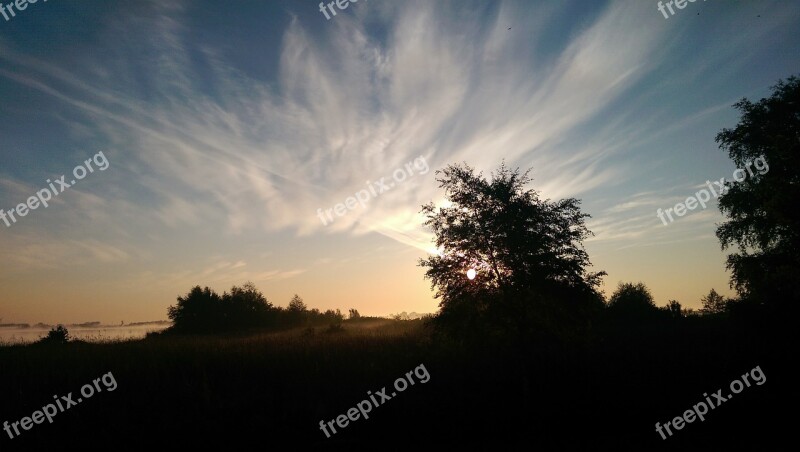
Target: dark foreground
{"type": "Point", "coordinates": [270, 391]}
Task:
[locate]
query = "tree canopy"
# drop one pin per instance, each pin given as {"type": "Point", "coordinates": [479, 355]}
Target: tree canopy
{"type": "Point", "coordinates": [516, 243]}
{"type": "Point", "coordinates": [762, 219]}
{"type": "Point", "coordinates": [713, 303]}
{"type": "Point", "coordinates": [632, 298]}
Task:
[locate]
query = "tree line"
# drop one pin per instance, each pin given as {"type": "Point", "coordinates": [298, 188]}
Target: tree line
{"type": "Point", "coordinates": [202, 310]}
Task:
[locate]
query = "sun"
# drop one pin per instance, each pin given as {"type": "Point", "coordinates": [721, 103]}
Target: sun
{"type": "Point", "coordinates": [471, 273]}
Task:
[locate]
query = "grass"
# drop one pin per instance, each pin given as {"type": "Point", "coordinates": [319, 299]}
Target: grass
{"type": "Point", "coordinates": [276, 387]}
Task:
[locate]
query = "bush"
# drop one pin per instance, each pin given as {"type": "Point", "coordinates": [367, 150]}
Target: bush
{"type": "Point", "coordinates": [57, 335]}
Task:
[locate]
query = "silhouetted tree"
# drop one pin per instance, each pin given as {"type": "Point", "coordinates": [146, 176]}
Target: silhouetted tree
{"type": "Point", "coordinates": [713, 303]}
{"type": "Point", "coordinates": [674, 309]}
{"type": "Point", "coordinates": [199, 311]}
{"type": "Point", "coordinates": [518, 245]}
{"type": "Point", "coordinates": [297, 311]}
{"type": "Point", "coordinates": [333, 316]}
{"type": "Point", "coordinates": [763, 221]}
{"type": "Point", "coordinates": [245, 306]}
{"type": "Point", "coordinates": [204, 311]}
{"type": "Point", "coordinates": [632, 300]}
{"type": "Point", "coordinates": [354, 314]}
{"type": "Point", "coordinates": [296, 304]}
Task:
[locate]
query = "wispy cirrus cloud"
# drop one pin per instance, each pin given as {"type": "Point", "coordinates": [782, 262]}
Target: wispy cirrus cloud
{"type": "Point", "coordinates": [265, 156]}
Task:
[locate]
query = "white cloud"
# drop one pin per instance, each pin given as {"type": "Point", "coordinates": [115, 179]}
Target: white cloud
{"type": "Point", "coordinates": [345, 109]}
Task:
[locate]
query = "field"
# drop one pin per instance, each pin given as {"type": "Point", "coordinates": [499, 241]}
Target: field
{"type": "Point", "coordinates": [273, 389]}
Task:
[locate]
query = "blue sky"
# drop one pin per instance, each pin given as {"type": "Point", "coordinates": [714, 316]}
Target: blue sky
{"type": "Point", "coordinates": [228, 124]}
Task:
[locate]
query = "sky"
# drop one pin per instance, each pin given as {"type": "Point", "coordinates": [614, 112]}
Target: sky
{"type": "Point", "coordinates": [229, 131]}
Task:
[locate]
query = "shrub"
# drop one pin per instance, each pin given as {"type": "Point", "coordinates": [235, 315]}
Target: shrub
{"type": "Point", "coordinates": [57, 335]}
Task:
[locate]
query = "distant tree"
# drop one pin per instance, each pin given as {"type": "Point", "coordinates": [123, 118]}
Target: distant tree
{"type": "Point", "coordinates": [517, 244]}
{"type": "Point", "coordinates": [298, 311]}
{"type": "Point", "coordinates": [632, 299]}
{"type": "Point", "coordinates": [763, 220]}
{"type": "Point", "coordinates": [204, 311]}
{"type": "Point", "coordinates": [333, 316]}
{"type": "Point", "coordinates": [674, 309]}
{"type": "Point", "coordinates": [297, 305]}
{"type": "Point", "coordinates": [246, 306]}
{"type": "Point", "coordinates": [198, 311]}
{"type": "Point", "coordinates": [713, 303]}
{"type": "Point", "coordinates": [354, 314]}
{"type": "Point", "coordinates": [57, 335]}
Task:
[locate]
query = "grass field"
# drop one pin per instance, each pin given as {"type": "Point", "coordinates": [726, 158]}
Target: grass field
{"type": "Point", "coordinates": [271, 390]}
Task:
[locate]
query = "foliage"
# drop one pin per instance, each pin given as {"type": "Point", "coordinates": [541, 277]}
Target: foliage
{"type": "Point", "coordinates": [297, 311]}
{"type": "Point", "coordinates": [203, 310]}
{"type": "Point", "coordinates": [674, 309]}
{"type": "Point", "coordinates": [245, 307]}
{"type": "Point", "coordinates": [57, 335]}
{"type": "Point", "coordinates": [763, 221]}
{"type": "Point", "coordinates": [713, 303]}
{"type": "Point", "coordinates": [632, 299]}
{"type": "Point", "coordinates": [517, 243]}
{"type": "Point", "coordinates": [296, 304]}
{"type": "Point", "coordinates": [198, 311]}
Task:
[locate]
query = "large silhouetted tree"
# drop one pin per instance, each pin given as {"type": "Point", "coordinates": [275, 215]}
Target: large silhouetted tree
{"type": "Point", "coordinates": [521, 247]}
{"type": "Point", "coordinates": [763, 220]}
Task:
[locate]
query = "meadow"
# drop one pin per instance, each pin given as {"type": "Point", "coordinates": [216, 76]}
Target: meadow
{"type": "Point", "coordinates": [271, 389]}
